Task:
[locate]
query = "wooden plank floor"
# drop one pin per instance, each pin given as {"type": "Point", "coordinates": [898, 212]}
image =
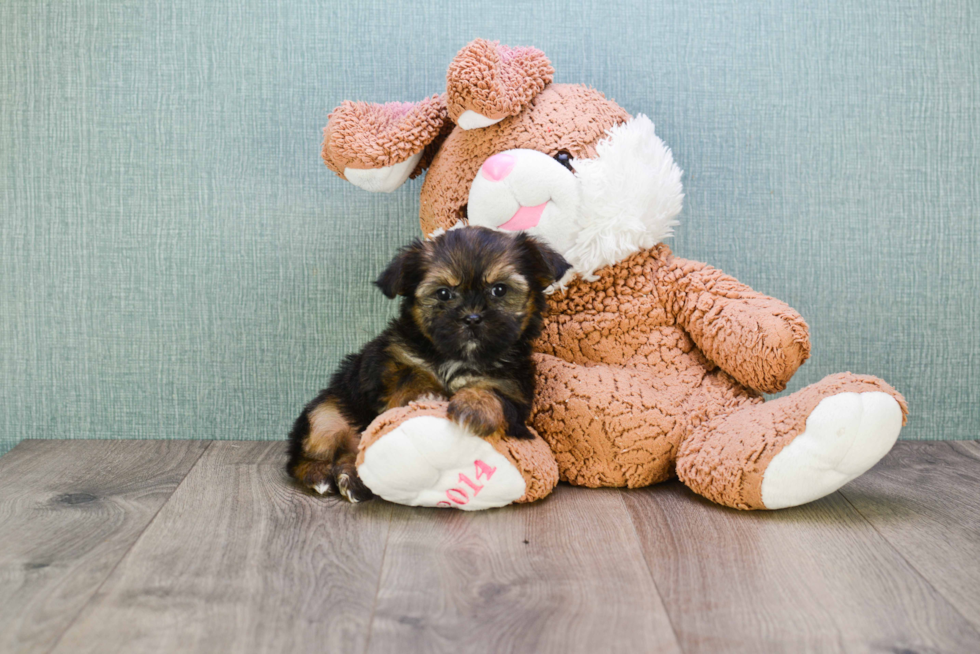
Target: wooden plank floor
{"type": "Point", "coordinates": [190, 546]}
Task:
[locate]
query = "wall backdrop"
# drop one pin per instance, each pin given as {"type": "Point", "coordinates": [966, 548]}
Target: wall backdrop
{"type": "Point", "coordinates": [176, 261]}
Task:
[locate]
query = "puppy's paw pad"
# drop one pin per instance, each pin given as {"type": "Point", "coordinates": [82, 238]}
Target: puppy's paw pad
{"type": "Point", "coordinates": [845, 435]}
{"type": "Point", "coordinates": [432, 461]}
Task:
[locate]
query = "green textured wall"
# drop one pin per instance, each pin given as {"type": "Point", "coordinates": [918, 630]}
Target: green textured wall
{"type": "Point", "coordinates": [177, 262]}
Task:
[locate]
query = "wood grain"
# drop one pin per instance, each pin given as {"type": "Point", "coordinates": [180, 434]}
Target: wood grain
{"type": "Point", "coordinates": [69, 511]}
{"type": "Point", "coordinates": [924, 498]}
{"type": "Point", "coordinates": [816, 578]}
{"type": "Point", "coordinates": [240, 560]}
{"type": "Point", "coordinates": [99, 552]}
{"type": "Point", "coordinates": [563, 575]}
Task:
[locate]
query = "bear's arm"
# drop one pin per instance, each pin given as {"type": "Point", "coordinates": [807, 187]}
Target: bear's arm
{"type": "Point", "coordinates": [757, 339]}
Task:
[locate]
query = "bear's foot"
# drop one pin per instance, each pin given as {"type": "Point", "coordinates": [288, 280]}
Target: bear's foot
{"type": "Point", "coordinates": [845, 435]}
{"type": "Point", "coordinates": [794, 449]}
{"type": "Point", "coordinates": [416, 456]}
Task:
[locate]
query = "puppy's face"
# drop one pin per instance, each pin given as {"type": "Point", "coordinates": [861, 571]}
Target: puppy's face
{"type": "Point", "coordinates": [473, 301]}
{"type": "Point", "coordinates": [473, 292]}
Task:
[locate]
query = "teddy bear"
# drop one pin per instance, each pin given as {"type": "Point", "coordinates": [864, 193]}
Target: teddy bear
{"type": "Point", "coordinates": [649, 366]}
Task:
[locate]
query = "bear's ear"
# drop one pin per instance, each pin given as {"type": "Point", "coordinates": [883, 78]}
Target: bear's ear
{"type": "Point", "coordinates": [488, 82]}
{"type": "Point", "coordinates": [404, 273]}
{"type": "Point", "coordinates": [378, 146]}
{"type": "Point", "coordinates": [546, 265]}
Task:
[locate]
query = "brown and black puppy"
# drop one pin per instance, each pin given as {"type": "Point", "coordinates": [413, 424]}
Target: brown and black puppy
{"type": "Point", "coordinates": [472, 305]}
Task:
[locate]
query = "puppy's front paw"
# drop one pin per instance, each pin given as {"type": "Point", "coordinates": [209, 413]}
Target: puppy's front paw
{"type": "Point", "coordinates": [478, 411]}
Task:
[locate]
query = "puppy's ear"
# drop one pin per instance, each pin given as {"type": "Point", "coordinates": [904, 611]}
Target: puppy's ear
{"type": "Point", "coordinates": [404, 272]}
{"type": "Point", "coordinates": [546, 265]}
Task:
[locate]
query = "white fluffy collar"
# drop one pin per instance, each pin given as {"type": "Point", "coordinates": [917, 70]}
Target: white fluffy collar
{"type": "Point", "coordinates": [631, 194]}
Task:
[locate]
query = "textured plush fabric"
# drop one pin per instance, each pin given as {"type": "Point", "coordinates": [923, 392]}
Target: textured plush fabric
{"type": "Point", "coordinates": [366, 135]}
{"type": "Point", "coordinates": [653, 309]}
{"type": "Point", "coordinates": [176, 261]}
{"type": "Point", "coordinates": [626, 391]}
{"type": "Point", "coordinates": [495, 81]}
{"type": "Point", "coordinates": [725, 458]}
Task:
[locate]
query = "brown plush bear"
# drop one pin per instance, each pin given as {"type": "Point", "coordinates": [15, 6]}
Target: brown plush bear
{"type": "Point", "coordinates": [650, 366]}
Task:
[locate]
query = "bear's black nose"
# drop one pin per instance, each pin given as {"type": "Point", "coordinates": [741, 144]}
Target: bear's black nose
{"type": "Point", "coordinates": [473, 319]}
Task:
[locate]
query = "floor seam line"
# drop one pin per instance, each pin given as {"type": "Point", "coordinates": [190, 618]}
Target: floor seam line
{"type": "Point", "coordinates": [646, 564]}
{"type": "Point", "coordinates": [130, 548]}
{"type": "Point", "coordinates": [911, 566]}
{"type": "Point", "coordinates": [377, 589]}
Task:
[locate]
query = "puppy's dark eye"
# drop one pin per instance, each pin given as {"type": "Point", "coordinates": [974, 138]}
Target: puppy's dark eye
{"type": "Point", "coordinates": [564, 157]}
{"type": "Point", "coordinates": [444, 294]}
{"type": "Point", "coordinates": [498, 290]}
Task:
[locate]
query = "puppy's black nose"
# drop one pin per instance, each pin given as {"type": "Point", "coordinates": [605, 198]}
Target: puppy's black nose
{"type": "Point", "coordinates": [473, 319]}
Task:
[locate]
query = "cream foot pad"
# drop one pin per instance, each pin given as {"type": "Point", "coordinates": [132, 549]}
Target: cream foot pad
{"type": "Point", "coordinates": [416, 456]}
{"type": "Point", "coordinates": [845, 435]}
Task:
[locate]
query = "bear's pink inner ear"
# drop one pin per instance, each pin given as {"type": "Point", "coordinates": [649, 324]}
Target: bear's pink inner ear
{"type": "Point", "coordinates": [362, 135]}
{"type": "Point", "coordinates": [488, 82]}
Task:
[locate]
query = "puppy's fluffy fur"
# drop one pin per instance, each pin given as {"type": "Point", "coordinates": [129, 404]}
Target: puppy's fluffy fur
{"type": "Point", "coordinates": [471, 309]}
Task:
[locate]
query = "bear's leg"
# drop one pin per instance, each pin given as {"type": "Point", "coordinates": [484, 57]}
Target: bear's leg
{"type": "Point", "coordinates": [417, 455]}
{"type": "Point", "coordinates": [795, 449]}
{"type": "Point", "coordinates": [616, 426]}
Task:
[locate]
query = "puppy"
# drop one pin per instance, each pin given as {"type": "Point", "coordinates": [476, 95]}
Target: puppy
{"type": "Point", "coordinates": [472, 306]}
